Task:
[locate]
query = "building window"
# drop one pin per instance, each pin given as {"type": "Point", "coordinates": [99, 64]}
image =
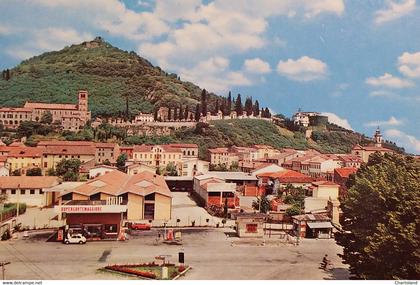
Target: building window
{"type": "Point", "coordinates": [251, 228]}
{"type": "Point", "coordinates": [13, 192]}
{"type": "Point", "coordinates": [150, 197]}
{"type": "Point", "coordinates": [41, 191]}
{"type": "Point", "coordinates": [22, 191]}
{"type": "Point", "coordinates": [32, 192]}
{"type": "Point", "coordinates": [3, 191]}
{"type": "Point", "coordinates": [110, 228]}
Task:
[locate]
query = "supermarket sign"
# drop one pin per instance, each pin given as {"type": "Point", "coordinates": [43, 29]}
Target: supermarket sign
{"type": "Point", "coordinates": [91, 208]}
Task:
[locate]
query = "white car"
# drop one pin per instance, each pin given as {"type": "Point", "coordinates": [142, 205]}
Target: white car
{"type": "Point", "coordinates": [75, 238]}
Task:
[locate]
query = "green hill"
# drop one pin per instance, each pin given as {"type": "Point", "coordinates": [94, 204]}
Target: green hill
{"type": "Point", "coordinates": [246, 132]}
{"type": "Point", "coordinates": [109, 74]}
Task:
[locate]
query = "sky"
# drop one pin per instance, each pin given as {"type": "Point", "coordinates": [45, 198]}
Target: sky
{"type": "Point", "coordinates": [356, 61]}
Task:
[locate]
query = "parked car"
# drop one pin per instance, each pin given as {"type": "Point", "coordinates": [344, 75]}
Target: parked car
{"type": "Point", "coordinates": [75, 238]}
{"type": "Point", "coordinates": [139, 226]}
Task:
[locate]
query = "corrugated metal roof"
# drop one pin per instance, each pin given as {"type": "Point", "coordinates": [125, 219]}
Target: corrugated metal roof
{"type": "Point", "coordinates": [319, 225]}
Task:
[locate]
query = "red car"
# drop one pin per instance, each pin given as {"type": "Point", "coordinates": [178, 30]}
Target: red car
{"type": "Point", "coordinates": [138, 226]}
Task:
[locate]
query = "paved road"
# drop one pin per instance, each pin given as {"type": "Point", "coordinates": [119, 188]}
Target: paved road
{"type": "Point", "coordinates": [185, 209]}
{"type": "Point", "coordinates": [208, 251]}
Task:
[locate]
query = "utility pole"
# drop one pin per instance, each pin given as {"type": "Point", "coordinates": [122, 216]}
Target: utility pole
{"type": "Point", "coordinates": [3, 264]}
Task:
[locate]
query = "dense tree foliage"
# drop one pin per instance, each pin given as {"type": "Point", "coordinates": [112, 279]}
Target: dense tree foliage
{"type": "Point", "coordinates": [381, 218]}
{"type": "Point", "coordinates": [68, 169]}
{"type": "Point", "coordinates": [46, 118]}
{"type": "Point", "coordinates": [239, 108]}
{"type": "Point", "coordinates": [34, 172]}
{"type": "Point", "coordinates": [122, 158]}
{"type": "Point", "coordinates": [171, 170]}
{"type": "Point", "coordinates": [262, 202]}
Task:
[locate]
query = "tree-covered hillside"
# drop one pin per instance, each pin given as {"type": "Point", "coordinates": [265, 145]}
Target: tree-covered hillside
{"type": "Point", "coordinates": [109, 74]}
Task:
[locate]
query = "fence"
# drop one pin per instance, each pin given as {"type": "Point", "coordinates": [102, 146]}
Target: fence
{"type": "Point", "coordinates": [10, 211]}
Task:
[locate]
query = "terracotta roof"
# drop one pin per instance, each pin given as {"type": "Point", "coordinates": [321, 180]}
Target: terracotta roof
{"type": "Point", "coordinates": [350, 158]}
{"type": "Point", "coordinates": [65, 143]}
{"type": "Point", "coordinates": [4, 148]}
{"type": "Point", "coordinates": [219, 150]}
{"type": "Point", "coordinates": [28, 182]}
{"type": "Point", "coordinates": [105, 145]}
{"type": "Point", "coordinates": [3, 158]}
{"type": "Point", "coordinates": [17, 144]}
{"type": "Point", "coordinates": [312, 217]}
{"type": "Point", "coordinates": [288, 176]}
{"type": "Point", "coordinates": [126, 147]}
{"type": "Point", "coordinates": [183, 145]}
{"type": "Point", "coordinates": [116, 183]}
{"type": "Point", "coordinates": [11, 109]}
{"type": "Point", "coordinates": [30, 105]}
{"type": "Point", "coordinates": [325, 183]}
{"type": "Point", "coordinates": [261, 146]}
{"type": "Point", "coordinates": [345, 171]}
{"type": "Point", "coordinates": [372, 148]}
{"type": "Point", "coordinates": [139, 164]}
{"type": "Point", "coordinates": [69, 150]}
{"type": "Point", "coordinates": [282, 155]}
{"type": "Point", "coordinates": [104, 166]}
{"type": "Point", "coordinates": [25, 152]}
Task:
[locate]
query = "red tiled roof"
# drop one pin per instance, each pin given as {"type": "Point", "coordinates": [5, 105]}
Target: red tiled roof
{"type": "Point", "coordinates": [3, 158]}
{"type": "Point", "coordinates": [345, 171]}
{"type": "Point", "coordinates": [262, 146]}
{"type": "Point", "coordinates": [69, 150]}
{"type": "Point", "coordinates": [4, 148]}
{"type": "Point", "coordinates": [350, 158]}
{"type": "Point", "coordinates": [11, 109]}
{"type": "Point", "coordinates": [116, 183]}
{"type": "Point", "coordinates": [17, 144]}
{"type": "Point", "coordinates": [288, 176]}
{"type": "Point", "coordinates": [25, 152]}
{"type": "Point", "coordinates": [65, 143]}
{"type": "Point", "coordinates": [105, 145]}
{"type": "Point", "coordinates": [219, 150]}
{"type": "Point", "coordinates": [104, 166]}
{"type": "Point", "coordinates": [372, 148]}
{"type": "Point", "coordinates": [183, 145]}
{"type": "Point", "coordinates": [325, 183]}
{"type": "Point", "coordinates": [30, 105]}
{"type": "Point", "coordinates": [28, 182]}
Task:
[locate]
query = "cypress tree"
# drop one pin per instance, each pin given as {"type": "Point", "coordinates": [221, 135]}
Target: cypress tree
{"type": "Point", "coordinates": [223, 107]}
{"type": "Point", "coordinates": [217, 107]}
{"type": "Point", "coordinates": [169, 114]}
{"type": "Point", "coordinates": [197, 113]}
{"type": "Point", "coordinates": [248, 106]}
{"type": "Point", "coordinates": [229, 104]}
{"type": "Point", "coordinates": [204, 102]}
{"type": "Point", "coordinates": [181, 113]}
{"type": "Point", "coordinates": [238, 106]}
{"type": "Point", "coordinates": [176, 114]}
{"type": "Point", "coordinates": [155, 114]}
{"type": "Point", "coordinates": [127, 111]}
{"type": "Point", "coordinates": [256, 108]}
{"type": "Point", "coordinates": [186, 111]}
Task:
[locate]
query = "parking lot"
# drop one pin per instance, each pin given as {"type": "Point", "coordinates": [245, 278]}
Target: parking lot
{"type": "Point", "coordinates": [208, 251]}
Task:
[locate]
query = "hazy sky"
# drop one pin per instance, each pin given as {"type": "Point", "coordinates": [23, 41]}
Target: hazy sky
{"type": "Point", "coordinates": [358, 61]}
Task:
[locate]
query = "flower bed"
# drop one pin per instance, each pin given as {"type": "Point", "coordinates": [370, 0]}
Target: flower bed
{"type": "Point", "coordinates": [147, 270]}
{"type": "Point", "coordinates": [128, 270]}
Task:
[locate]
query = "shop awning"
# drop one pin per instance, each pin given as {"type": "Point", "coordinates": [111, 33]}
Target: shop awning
{"type": "Point", "coordinates": [320, 225]}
